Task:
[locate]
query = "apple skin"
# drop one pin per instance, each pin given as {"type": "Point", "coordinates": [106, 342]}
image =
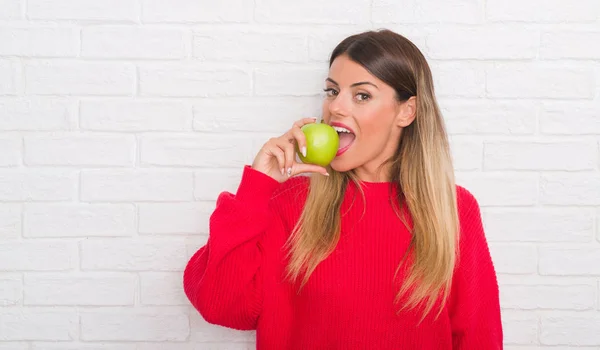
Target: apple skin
{"type": "Point", "coordinates": [322, 143]}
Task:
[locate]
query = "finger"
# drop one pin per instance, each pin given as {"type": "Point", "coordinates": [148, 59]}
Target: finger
{"type": "Point", "coordinates": [275, 151]}
{"type": "Point", "coordinates": [300, 123]}
{"type": "Point", "coordinates": [290, 155]}
{"type": "Point", "coordinates": [299, 168]}
{"type": "Point", "coordinates": [300, 138]}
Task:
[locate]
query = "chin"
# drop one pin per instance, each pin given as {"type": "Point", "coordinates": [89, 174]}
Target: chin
{"type": "Point", "coordinates": [341, 166]}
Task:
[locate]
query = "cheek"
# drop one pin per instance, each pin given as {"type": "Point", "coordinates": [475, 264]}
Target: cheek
{"type": "Point", "coordinates": [374, 120]}
{"type": "Point", "coordinates": [325, 110]}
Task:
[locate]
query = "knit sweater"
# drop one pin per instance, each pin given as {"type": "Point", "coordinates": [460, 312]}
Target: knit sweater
{"type": "Point", "coordinates": [237, 279]}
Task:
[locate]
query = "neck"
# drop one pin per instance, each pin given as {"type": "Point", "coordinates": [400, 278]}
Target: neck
{"type": "Point", "coordinates": [373, 173]}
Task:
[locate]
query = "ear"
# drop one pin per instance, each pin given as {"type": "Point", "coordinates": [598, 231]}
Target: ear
{"type": "Point", "coordinates": [407, 111]}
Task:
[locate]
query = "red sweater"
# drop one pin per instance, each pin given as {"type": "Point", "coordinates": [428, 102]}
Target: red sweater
{"type": "Point", "coordinates": [236, 281]}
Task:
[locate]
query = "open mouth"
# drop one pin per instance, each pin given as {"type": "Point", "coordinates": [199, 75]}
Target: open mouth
{"type": "Point", "coordinates": [346, 137]}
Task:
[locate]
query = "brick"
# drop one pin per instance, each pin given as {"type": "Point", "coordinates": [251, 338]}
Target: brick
{"type": "Point", "coordinates": [539, 225]}
{"type": "Point", "coordinates": [82, 346]}
{"type": "Point", "coordinates": [501, 189]}
{"type": "Point", "coordinates": [192, 80]}
{"type": "Point", "coordinates": [428, 11]}
{"type": "Point", "coordinates": [528, 80]}
{"type": "Point", "coordinates": [520, 327]}
{"type": "Point", "coordinates": [203, 331]}
{"type": "Point", "coordinates": [205, 151]}
{"type": "Point", "coordinates": [162, 288]}
{"type": "Point", "coordinates": [33, 324]}
{"type": "Point", "coordinates": [138, 115]}
{"type": "Point", "coordinates": [175, 218]}
{"type": "Point", "coordinates": [10, 221]}
{"type": "Point", "coordinates": [467, 154]}
{"type": "Point", "coordinates": [11, 10]}
{"type": "Point", "coordinates": [9, 81]}
{"type": "Point", "coordinates": [79, 78]}
{"type": "Point", "coordinates": [84, 10]}
{"type": "Point", "coordinates": [541, 347]}
{"type": "Point", "coordinates": [136, 185]}
{"type": "Point", "coordinates": [570, 330]}
{"type": "Point", "coordinates": [575, 261]}
{"type": "Point", "coordinates": [307, 81]}
{"type": "Point", "coordinates": [598, 228]}
{"type": "Point", "coordinates": [11, 151]}
{"type": "Point", "coordinates": [15, 346]}
{"type": "Point", "coordinates": [39, 41]}
{"type": "Point", "coordinates": [523, 155]}
{"type": "Point", "coordinates": [458, 79]}
{"type": "Point", "coordinates": [79, 220]}
{"type": "Point", "coordinates": [11, 290]}
{"type": "Point", "coordinates": [80, 149]}
{"type": "Point", "coordinates": [133, 255]}
{"type": "Point", "coordinates": [513, 258]}
{"type": "Point", "coordinates": [567, 118]}
{"type": "Point", "coordinates": [37, 185]}
{"type": "Point", "coordinates": [570, 44]}
{"type": "Point", "coordinates": [541, 11]}
{"type": "Point", "coordinates": [259, 46]}
{"type": "Point", "coordinates": [312, 11]}
{"type": "Point", "coordinates": [190, 11]}
{"type": "Point", "coordinates": [37, 256]}
{"type": "Point", "coordinates": [253, 113]}
{"type": "Point", "coordinates": [210, 183]}
{"type": "Point", "coordinates": [52, 289]}
{"type": "Point", "coordinates": [322, 41]}
{"type": "Point", "coordinates": [127, 325]}
{"type": "Point", "coordinates": [483, 43]}
{"type": "Point", "coordinates": [555, 297]}
{"type": "Point", "coordinates": [570, 189]}
{"type": "Point", "coordinates": [489, 117]}
{"type": "Point", "coordinates": [39, 114]}
{"type": "Point", "coordinates": [133, 43]}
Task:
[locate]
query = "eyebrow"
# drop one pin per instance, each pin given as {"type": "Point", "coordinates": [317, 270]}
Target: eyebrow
{"type": "Point", "coordinates": [353, 85]}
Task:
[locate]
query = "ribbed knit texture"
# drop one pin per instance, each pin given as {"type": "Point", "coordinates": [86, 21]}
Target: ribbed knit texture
{"type": "Point", "coordinates": [237, 279]}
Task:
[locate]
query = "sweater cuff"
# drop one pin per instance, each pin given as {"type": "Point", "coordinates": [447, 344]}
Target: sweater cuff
{"type": "Point", "coordinates": [256, 188]}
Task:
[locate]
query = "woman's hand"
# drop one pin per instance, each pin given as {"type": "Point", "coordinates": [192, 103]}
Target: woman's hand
{"type": "Point", "coordinates": [277, 157]}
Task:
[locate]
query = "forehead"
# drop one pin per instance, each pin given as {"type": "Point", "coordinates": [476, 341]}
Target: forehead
{"type": "Point", "coordinates": [345, 72]}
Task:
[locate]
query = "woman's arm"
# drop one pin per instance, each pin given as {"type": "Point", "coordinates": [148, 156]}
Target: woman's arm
{"type": "Point", "coordinates": [223, 278]}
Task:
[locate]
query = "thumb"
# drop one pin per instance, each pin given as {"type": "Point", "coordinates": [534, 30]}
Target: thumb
{"type": "Point", "coordinates": [300, 168]}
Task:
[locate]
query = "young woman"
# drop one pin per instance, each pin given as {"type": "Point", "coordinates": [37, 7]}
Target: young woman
{"type": "Point", "coordinates": [380, 250]}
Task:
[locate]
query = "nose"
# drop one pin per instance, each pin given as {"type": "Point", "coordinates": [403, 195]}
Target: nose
{"type": "Point", "coordinates": [338, 106]}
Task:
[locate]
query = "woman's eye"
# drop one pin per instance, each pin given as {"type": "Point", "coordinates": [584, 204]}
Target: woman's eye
{"type": "Point", "coordinates": [363, 96]}
{"type": "Point", "coordinates": [330, 92]}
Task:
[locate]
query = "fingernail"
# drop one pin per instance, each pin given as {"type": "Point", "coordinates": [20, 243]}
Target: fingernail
{"type": "Point", "coordinates": [326, 174]}
{"type": "Point", "coordinates": [282, 171]}
{"type": "Point", "coordinates": [289, 172]}
{"type": "Point", "coordinates": [304, 151]}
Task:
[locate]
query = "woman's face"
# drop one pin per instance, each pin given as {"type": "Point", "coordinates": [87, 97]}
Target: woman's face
{"type": "Point", "coordinates": [368, 117]}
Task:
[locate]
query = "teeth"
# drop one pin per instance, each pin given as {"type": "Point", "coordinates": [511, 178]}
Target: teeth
{"type": "Point", "coordinates": [340, 129]}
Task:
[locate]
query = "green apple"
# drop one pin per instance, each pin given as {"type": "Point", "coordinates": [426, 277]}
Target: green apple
{"type": "Point", "coordinates": [322, 143]}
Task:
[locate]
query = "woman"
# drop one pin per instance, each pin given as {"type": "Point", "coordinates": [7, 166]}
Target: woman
{"type": "Point", "coordinates": [380, 250]}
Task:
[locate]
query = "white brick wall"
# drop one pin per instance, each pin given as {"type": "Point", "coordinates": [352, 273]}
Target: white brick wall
{"type": "Point", "coordinates": [111, 113]}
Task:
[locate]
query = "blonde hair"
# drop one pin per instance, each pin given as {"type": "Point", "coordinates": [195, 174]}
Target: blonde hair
{"type": "Point", "coordinates": [422, 166]}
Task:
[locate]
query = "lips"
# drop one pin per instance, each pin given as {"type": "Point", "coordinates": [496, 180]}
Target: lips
{"type": "Point", "coordinates": [346, 135]}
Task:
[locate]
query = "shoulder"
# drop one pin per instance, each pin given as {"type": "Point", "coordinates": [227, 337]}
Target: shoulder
{"type": "Point", "coordinates": [466, 201]}
{"type": "Point", "coordinates": [469, 211]}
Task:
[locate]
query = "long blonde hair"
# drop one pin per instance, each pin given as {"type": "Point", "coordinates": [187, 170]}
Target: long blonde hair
{"type": "Point", "coordinates": [422, 166]}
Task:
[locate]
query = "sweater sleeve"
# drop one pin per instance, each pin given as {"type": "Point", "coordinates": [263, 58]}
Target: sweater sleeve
{"type": "Point", "coordinates": [474, 299]}
{"type": "Point", "coordinates": [222, 279]}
